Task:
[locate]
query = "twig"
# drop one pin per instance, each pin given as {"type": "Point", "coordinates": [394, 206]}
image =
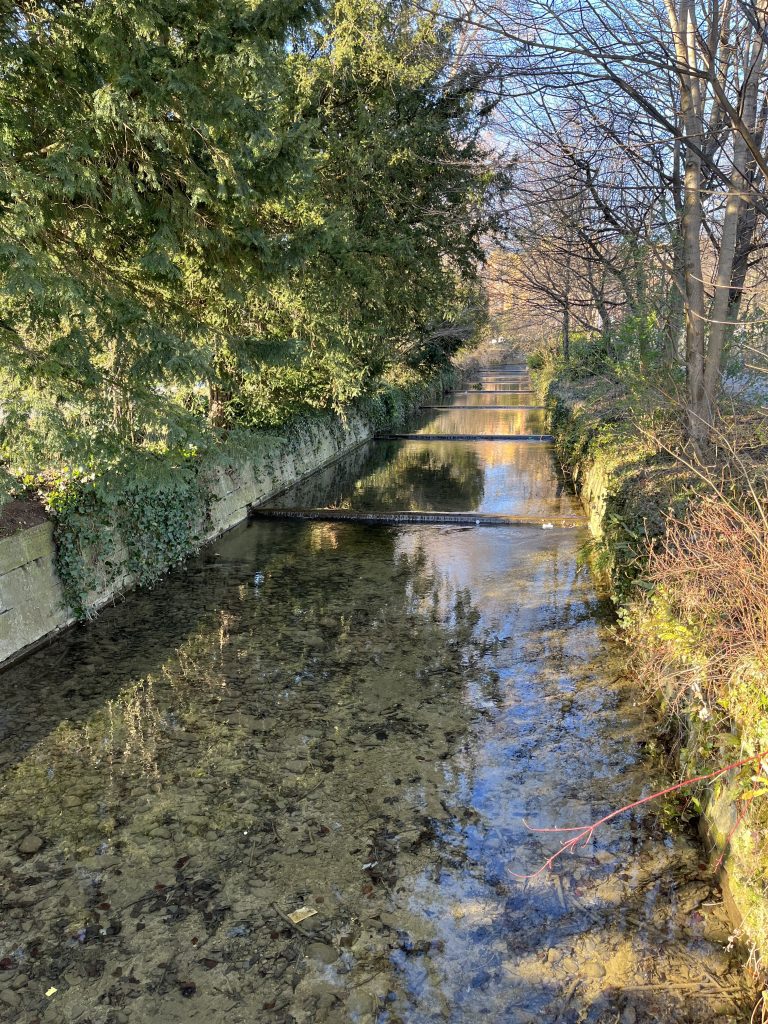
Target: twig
{"type": "Point", "coordinates": [289, 922]}
{"type": "Point", "coordinates": [584, 833]}
{"type": "Point", "coordinates": [364, 981]}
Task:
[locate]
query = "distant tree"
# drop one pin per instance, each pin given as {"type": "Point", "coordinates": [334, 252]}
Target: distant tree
{"type": "Point", "coordinates": [694, 71]}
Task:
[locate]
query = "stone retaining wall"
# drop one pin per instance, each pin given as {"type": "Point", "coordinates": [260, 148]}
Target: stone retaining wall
{"type": "Point", "coordinates": [32, 605]}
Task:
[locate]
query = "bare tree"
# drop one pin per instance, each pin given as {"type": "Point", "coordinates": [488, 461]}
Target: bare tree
{"type": "Point", "coordinates": [688, 80]}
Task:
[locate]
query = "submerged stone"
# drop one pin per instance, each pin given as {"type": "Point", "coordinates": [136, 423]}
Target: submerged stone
{"type": "Point", "coordinates": [322, 952]}
{"type": "Point", "coordinates": [30, 844]}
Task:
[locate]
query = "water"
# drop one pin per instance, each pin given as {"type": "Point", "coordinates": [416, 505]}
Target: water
{"type": "Point", "coordinates": [353, 720]}
{"type": "Point", "coordinates": [441, 476]}
{"type": "Point", "coordinates": [482, 421]}
{"type": "Point", "coordinates": [512, 396]}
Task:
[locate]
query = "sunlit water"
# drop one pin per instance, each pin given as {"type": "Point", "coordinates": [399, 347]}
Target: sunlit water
{"type": "Point", "coordinates": [353, 720]}
{"type": "Point", "coordinates": [485, 397]}
{"type": "Point", "coordinates": [482, 421]}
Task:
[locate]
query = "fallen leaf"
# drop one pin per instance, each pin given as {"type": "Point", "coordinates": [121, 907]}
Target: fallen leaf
{"type": "Point", "coordinates": [301, 914]}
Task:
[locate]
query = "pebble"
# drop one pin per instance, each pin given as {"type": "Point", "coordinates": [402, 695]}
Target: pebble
{"type": "Point", "coordinates": [629, 1016]}
{"type": "Point", "coordinates": [361, 1004]}
{"type": "Point", "coordinates": [10, 998]}
{"type": "Point", "coordinates": [99, 863]}
{"type": "Point", "coordinates": [322, 952]}
{"type": "Point", "coordinates": [592, 970]}
{"type": "Point", "coordinates": [31, 844]}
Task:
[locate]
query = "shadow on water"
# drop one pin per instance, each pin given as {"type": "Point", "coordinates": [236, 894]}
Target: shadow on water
{"type": "Point", "coordinates": [354, 721]}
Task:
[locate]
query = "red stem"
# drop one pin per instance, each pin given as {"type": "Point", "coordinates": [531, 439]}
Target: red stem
{"type": "Point", "coordinates": [585, 831]}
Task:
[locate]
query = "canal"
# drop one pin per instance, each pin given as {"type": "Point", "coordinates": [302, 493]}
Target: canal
{"type": "Point", "coordinates": [291, 783]}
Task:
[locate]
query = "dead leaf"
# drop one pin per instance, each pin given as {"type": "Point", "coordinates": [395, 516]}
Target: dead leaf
{"type": "Point", "coordinates": [301, 915]}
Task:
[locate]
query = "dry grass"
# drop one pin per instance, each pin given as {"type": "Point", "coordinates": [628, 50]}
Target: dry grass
{"type": "Point", "coordinates": [712, 566]}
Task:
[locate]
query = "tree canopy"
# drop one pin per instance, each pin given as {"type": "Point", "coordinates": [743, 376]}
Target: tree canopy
{"type": "Point", "coordinates": [218, 214]}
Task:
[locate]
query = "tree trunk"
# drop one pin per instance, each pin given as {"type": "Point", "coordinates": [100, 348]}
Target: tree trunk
{"type": "Point", "coordinates": [566, 331]}
{"type": "Point", "coordinates": [567, 311]}
{"type": "Point", "coordinates": [700, 408]}
{"type": "Point", "coordinates": [218, 398]}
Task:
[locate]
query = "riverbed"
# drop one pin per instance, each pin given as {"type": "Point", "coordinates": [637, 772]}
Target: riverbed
{"type": "Point", "coordinates": [300, 780]}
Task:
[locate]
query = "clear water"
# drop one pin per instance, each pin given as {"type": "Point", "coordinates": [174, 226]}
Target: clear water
{"type": "Point", "coordinates": [513, 477]}
{"type": "Point", "coordinates": [487, 397]}
{"type": "Point", "coordinates": [482, 421]}
{"type": "Point", "coordinates": [354, 720]}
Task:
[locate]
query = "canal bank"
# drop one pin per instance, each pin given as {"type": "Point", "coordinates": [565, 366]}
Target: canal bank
{"type": "Point", "coordinates": [291, 784]}
{"type": "Point", "coordinates": [629, 485]}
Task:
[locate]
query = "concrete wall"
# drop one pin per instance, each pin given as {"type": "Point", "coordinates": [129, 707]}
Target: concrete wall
{"type": "Point", "coordinates": [31, 598]}
{"type": "Point", "coordinates": [32, 606]}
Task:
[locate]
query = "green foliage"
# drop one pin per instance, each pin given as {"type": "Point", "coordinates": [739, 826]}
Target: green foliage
{"type": "Point", "coordinates": [218, 218]}
{"type": "Point", "coordinates": [135, 520]}
{"type": "Point", "coordinates": [8, 486]}
{"type": "Point", "coordinates": [188, 188]}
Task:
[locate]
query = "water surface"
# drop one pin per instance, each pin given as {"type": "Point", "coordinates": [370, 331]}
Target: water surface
{"type": "Point", "coordinates": [482, 421]}
{"type": "Point", "coordinates": [356, 721]}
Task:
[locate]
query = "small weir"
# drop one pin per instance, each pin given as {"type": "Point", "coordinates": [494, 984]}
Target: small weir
{"type": "Point", "coordinates": [517, 408]}
{"type": "Point", "coordinates": [309, 778]}
{"type": "Point", "coordinates": [466, 437]}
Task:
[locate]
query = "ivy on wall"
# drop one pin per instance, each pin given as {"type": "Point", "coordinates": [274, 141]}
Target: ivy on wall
{"type": "Point", "coordinates": [124, 525]}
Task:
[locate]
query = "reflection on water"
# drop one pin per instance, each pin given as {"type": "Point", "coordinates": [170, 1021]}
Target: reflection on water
{"type": "Point", "coordinates": [480, 421]}
{"type": "Point", "coordinates": [494, 387]}
{"type": "Point", "coordinates": [353, 721]}
{"type": "Point", "coordinates": [443, 476]}
{"type": "Point", "coordinates": [494, 398]}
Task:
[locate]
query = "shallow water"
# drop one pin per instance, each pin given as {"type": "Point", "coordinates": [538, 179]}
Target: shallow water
{"type": "Point", "coordinates": [482, 421]}
{"type": "Point", "coordinates": [441, 476]}
{"type": "Point", "coordinates": [355, 720]}
{"type": "Point", "coordinates": [487, 397]}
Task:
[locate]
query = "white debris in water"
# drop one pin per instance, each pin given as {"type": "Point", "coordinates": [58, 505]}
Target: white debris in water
{"type": "Point", "coordinates": [547, 526]}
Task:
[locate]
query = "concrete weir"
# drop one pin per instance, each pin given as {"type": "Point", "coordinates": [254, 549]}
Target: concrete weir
{"type": "Point", "coordinates": [346, 515]}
